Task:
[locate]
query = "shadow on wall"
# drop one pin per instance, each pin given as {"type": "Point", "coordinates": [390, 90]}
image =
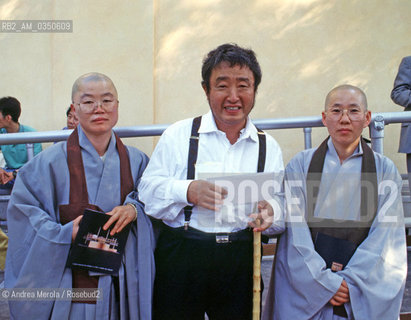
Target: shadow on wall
{"type": "Point", "coordinates": [305, 47]}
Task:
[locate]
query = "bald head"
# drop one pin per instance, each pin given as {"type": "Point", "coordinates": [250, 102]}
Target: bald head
{"type": "Point", "coordinates": [90, 77]}
{"type": "Point", "coordinates": [347, 87]}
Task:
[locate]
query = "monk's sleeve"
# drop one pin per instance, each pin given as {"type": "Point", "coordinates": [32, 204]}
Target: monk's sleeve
{"type": "Point", "coordinates": [37, 241]}
{"type": "Point", "coordinates": [138, 162]}
{"type": "Point", "coordinates": [377, 271]}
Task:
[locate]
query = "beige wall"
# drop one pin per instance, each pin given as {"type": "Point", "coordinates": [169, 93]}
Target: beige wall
{"type": "Point", "coordinates": [153, 52]}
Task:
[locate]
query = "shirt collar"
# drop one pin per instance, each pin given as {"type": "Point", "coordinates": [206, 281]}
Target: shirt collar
{"type": "Point", "coordinates": [208, 125]}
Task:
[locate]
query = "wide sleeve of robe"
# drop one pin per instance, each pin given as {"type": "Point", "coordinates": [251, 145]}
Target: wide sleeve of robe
{"type": "Point", "coordinates": [37, 241]}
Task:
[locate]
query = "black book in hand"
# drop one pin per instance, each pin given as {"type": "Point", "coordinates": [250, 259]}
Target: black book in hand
{"type": "Point", "coordinates": [94, 249]}
{"type": "Point", "coordinates": [336, 252]}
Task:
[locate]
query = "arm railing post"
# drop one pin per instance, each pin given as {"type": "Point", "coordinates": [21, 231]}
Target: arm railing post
{"type": "Point", "coordinates": [307, 138]}
{"type": "Point", "coordinates": [30, 151]}
{"type": "Point", "coordinates": [377, 134]}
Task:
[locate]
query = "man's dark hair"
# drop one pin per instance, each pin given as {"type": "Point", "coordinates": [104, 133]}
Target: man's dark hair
{"type": "Point", "coordinates": [68, 111]}
{"type": "Point", "coordinates": [10, 106]}
{"type": "Point", "coordinates": [235, 56]}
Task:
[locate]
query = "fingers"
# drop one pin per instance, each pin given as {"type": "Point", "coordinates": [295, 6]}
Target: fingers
{"type": "Point", "coordinates": [344, 285]}
{"type": "Point", "coordinates": [264, 217]}
{"type": "Point", "coordinates": [211, 200]}
{"type": "Point", "coordinates": [9, 176]}
{"type": "Point", "coordinates": [258, 226]}
{"type": "Point", "coordinates": [263, 205]}
{"type": "Point", "coordinates": [339, 299]}
{"type": "Point", "coordinates": [335, 303]}
{"type": "Point", "coordinates": [341, 296]}
{"type": "Point", "coordinates": [5, 176]}
{"type": "Point", "coordinates": [122, 216]}
{"type": "Point", "coordinates": [76, 223]}
{"type": "Point", "coordinates": [219, 190]}
{"type": "Point", "coordinates": [344, 289]}
{"type": "Point", "coordinates": [206, 194]}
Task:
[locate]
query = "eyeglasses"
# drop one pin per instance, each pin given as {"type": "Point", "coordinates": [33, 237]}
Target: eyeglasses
{"type": "Point", "coordinates": [89, 106]}
{"type": "Point", "coordinates": [355, 114]}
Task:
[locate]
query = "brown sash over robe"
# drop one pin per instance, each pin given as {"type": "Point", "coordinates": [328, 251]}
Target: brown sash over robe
{"type": "Point", "coordinates": [78, 200]}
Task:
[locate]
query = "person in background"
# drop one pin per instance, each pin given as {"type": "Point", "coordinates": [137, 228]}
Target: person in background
{"type": "Point", "coordinates": [72, 120]}
{"type": "Point", "coordinates": [15, 155]}
{"type": "Point", "coordinates": [401, 95]}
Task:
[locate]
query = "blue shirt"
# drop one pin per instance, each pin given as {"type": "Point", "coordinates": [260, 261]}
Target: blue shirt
{"type": "Point", "coordinates": [16, 154]}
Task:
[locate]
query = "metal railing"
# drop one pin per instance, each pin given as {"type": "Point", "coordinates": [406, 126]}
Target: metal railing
{"type": "Point", "coordinates": [378, 122]}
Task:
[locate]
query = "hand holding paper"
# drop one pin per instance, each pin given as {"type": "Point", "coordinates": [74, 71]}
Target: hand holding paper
{"type": "Point", "coordinates": [241, 194]}
{"type": "Point", "coordinates": [76, 223]}
{"type": "Point", "coordinates": [93, 248]}
{"type": "Point", "coordinates": [206, 194]}
{"type": "Point", "coordinates": [123, 215]}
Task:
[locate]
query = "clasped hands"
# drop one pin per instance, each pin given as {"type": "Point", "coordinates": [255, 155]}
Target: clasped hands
{"type": "Point", "coordinates": [341, 296]}
{"type": "Point", "coordinates": [5, 176]}
{"type": "Point", "coordinates": [210, 196]}
{"type": "Point", "coordinates": [122, 215]}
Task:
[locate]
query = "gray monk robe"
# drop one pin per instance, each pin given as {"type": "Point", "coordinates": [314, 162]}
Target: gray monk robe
{"type": "Point", "coordinates": [40, 240]}
{"type": "Point", "coordinates": [301, 285]}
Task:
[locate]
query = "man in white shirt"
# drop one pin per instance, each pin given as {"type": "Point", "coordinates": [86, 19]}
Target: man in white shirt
{"type": "Point", "coordinates": [204, 264]}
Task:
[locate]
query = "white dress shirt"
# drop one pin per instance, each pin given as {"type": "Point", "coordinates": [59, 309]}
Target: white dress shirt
{"type": "Point", "coordinates": [164, 184]}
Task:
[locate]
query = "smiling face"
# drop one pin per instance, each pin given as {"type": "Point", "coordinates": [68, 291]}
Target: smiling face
{"type": "Point", "coordinates": [231, 96]}
{"type": "Point", "coordinates": [99, 122]}
{"type": "Point", "coordinates": [344, 131]}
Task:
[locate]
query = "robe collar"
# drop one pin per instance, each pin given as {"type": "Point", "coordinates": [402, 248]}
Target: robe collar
{"type": "Point", "coordinates": [78, 185]}
{"type": "Point", "coordinates": [369, 200]}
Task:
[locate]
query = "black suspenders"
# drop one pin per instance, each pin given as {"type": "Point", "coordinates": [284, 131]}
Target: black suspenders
{"type": "Point", "coordinates": [261, 150]}
{"type": "Point", "coordinates": [192, 159]}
